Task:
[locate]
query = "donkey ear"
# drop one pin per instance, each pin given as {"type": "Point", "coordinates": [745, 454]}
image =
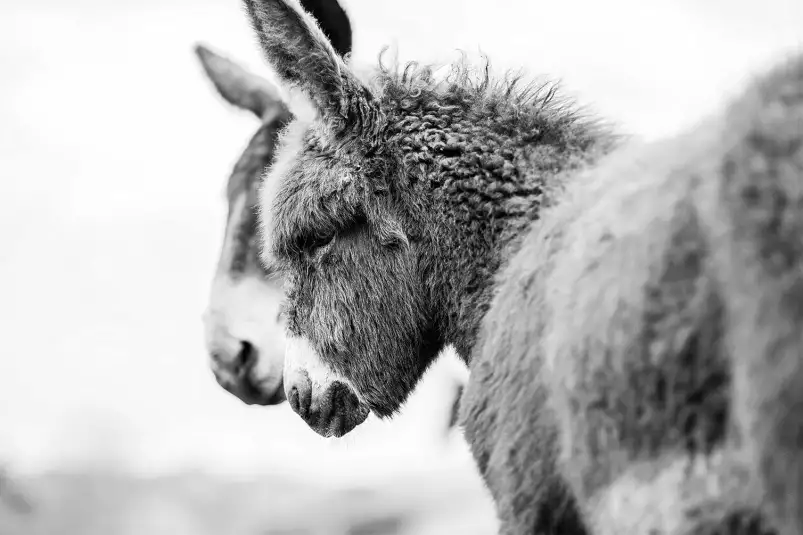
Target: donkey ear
{"type": "Point", "coordinates": [334, 22]}
{"type": "Point", "coordinates": [237, 85]}
{"type": "Point", "coordinates": [302, 56]}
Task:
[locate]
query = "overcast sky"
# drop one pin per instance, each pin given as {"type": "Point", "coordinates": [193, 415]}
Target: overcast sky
{"type": "Point", "coordinates": [113, 155]}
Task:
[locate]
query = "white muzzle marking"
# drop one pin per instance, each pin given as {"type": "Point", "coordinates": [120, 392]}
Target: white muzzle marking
{"type": "Point", "coordinates": [300, 358]}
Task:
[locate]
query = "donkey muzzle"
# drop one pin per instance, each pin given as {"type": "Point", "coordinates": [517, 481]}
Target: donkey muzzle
{"type": "Point", "coordinates": [326, 403]}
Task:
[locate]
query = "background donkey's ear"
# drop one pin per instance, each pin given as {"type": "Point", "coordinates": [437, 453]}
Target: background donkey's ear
{"type": "Point", "coordinates": [302, 56]}
{"type": "Point", "coordinates": [237, 85]}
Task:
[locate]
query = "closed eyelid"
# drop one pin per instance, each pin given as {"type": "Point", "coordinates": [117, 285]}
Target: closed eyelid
{"type": "Point", "coordinates": [313, 241]}
{"type": "Point", "coordinates": [308, 240]}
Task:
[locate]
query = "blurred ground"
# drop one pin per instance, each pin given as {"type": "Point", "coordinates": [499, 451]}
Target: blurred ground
{"type": "Point", "coordinates": [438, 501]}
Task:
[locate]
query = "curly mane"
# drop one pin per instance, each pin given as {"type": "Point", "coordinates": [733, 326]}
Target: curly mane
{"type": "Point", "coordinates": [515, 103]}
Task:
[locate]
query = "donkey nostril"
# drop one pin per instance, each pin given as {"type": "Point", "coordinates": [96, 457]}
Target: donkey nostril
{"type": "Point", "coordinates": [236, 362]}
{"type": "Point", "coordinates": [246, 358]}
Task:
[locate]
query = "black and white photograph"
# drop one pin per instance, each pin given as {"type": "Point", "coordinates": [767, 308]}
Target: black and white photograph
{"type": "Point", "coordinates": [369, 267]}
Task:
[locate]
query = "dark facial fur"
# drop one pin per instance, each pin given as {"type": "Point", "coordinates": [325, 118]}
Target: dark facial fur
{"type": "Point", "coordinates": [245, 179]}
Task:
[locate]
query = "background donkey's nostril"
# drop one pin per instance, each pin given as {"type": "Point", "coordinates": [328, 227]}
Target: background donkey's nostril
{"type": "Point", "coordinates": [237, 361]}
{"type": "Point", "coordinates": [246, 358]}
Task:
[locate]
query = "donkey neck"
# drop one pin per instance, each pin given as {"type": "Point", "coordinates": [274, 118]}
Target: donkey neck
{"type": "Point", "coordinates": [488, 159]}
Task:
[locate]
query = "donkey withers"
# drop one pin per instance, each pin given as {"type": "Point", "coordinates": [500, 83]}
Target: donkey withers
{"type": "Point", "coordinates": [243, 330]}
{"type": "Point", "coordinates": [632, 321]}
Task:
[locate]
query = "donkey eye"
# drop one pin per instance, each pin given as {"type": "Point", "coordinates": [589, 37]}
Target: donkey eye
{"type": "Point", "coordinates": [321, 243]}
{"type": "Point", "coordinates": [312, 244]}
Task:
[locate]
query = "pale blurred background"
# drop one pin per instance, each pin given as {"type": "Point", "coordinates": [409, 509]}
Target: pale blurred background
{"type": "Point", "coordinates": [114, 150]}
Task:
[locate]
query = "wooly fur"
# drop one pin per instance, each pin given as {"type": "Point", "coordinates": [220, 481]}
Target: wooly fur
{"type": "Point", "coordinates": [641, 355]}
{"type": "Point", "coordinates": [632, 321]}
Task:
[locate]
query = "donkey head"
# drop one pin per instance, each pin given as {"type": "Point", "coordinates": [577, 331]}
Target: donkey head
{"type": "Point", "coordinates": [351, 234]}
{"type": "Point", "coordinates": [243, 336]}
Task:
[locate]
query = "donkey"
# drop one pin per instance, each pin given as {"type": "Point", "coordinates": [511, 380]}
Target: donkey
{"type": "Point", "coordinates": [631, 315]}
{"type": "Point", "coordinates": [243, 330]}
